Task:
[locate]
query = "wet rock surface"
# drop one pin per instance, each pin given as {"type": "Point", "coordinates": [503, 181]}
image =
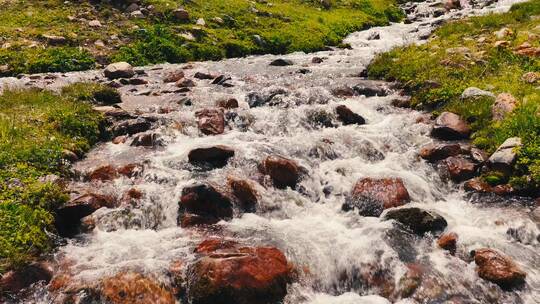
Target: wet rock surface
{"type": "Point", "coordinates": [234, 274]}
{"type": "Point", "coordinates": [417, 220]}
{"type": "Point", "coordinates": [216, 156]}
{"type": "Point", "coordinates": [498, 268]}
{"type": "Point", "coordinates": [284, 172]}
{"type": "Point", "coordinates": [370, 197]}
{"type": "Point", "coordinates": [205, 202]}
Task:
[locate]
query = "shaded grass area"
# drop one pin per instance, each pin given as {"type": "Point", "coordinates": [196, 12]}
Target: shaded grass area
{"type": "Point", "coordinates": [234, 28]}
{"type": "Point", "coordinates": [462, 54]}
{"type": "Point", "coordinates": [35, 128]}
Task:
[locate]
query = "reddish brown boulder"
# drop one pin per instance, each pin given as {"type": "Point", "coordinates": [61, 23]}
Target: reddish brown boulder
{"type": "Point", "coordinates": [343, 91]}
{"type": "Point", "coordinates": [449, 126]}
{"type": "Point", "coordinates": [436, 152]}
{"type": "Point", "coordinates": [68, 217]}
{"type": "Point", "coordinates": [130, 170]}
{"type": "Point", "coordinates": [246, 275]}
{"type": "Point", "coordinates": [173, 76]}
{"type": "Point", "coordinates": [504, 104]}
{"type": "Point", "coordinates": [477, 185]}
{"type": "Point", "coordinates": [201, 75]}
{"type": "Point", "coordinates": [459, 168]}
{"type": "Point", "coordinates": [284, 172]}
{"type": "Point", "coordinates": [211, 121]}
{"type": "Point", "coordinates": [213, 157]}
{"type": "Point", "coordinates": [205, 204]}
{"type": "Point", "coordinates": [212, 245]}
{"type": "Point", "coordinates": [371, 196]}
{"type": "Point", "coordinates": [348, 117]}
{"type": "Point", "coordinates": [448, 241]}
{"type": "Point", "coordinates": [245, 192]}
{"type": "Point", "coordinates": [103, 173]}
{"type": "Point", "coordinates": [495, 267]}
{"type": "Point", "coordinates": [452, 4]}
{"type": "Point", "coordinates": [230, 103]}
{"type": "Point", "coordinates": [134, 288]}
{"type": "Point", "coordinates": [185, 83]}
{"type": "Point", "coordinates": [16, 280]}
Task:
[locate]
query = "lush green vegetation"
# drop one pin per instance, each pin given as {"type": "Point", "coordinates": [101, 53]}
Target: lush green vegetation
{"type": "Point", "coordinates": [35, 128]}
{"type": "Point", "coordinates": [462, 54]}
{"type": "Point", "coordinates": [234, 28]}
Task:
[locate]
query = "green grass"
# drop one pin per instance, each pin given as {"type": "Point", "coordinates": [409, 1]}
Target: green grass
{"type": "Point", "coordinates": [285, 26]}
{"type": "Point", "coordinates": [35, 127]}
{"type": "Point", "coordinates": [417, 68]}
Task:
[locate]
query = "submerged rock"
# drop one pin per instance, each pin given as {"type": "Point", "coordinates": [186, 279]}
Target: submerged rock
{"type": "Point", "coordinates": [146, 140]}
{"type": "Point", "coordinates": [205, 202]}
{"type": "Point", "coordinates": [370, 88]}
{"type": "Point", "coordinates": [134, 288]}
{"type": "Point", "coordinates": [16, 280]}
{"type": "Point", "coordinates": [238, 275]}
{"type": "Point", "coordinates": [130, 127]}
{"type": "Point", "coordinates": [348, 117]}
{"type": "Point", "coordinates": [173, 76]}
{"type": "Point", "coordinates": [245, 192]}
{"type": "Point", "coordinates": [211, 121]}
{"type": "Point", "coordinates": [418, 220]}
{"type": "Point", "coordinates": [284, 172]}
{"type": "Point", "coordinates": [230, 103]}
{"type": "Point", "coordinates": [213, 157]}
{"type": "Point", "coordinates": [448, 241]}
{"type": "Point", "coordinates": [495, 267]}
{"type": "Point", "coordinates": [449, 126]}
{"type": "Point", "coordinates": [370, 197]}
{"type": "Point", "coordinates": [103, 173]}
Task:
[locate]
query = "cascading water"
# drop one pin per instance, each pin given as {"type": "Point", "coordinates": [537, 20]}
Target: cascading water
{"type": "Point", "coordinates": [307, 224]}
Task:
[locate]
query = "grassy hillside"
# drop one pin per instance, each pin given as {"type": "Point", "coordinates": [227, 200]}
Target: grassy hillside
{"type": "Point", "coordinates": [233, 28]}
{"type": "Point", "coordinates": [36, 127]}
{"type": "Point", "coordinates": [493, 53]}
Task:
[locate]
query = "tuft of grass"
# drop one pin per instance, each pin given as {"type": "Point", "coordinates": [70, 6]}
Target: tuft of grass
{"type": "Point", "coordinates": [247, 27]}
{"type": "Point", "coordinates": [35, 127]}
{"type": "Point", "coordinates": [461, 54]}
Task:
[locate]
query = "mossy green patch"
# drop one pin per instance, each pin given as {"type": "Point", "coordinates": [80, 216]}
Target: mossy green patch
{"type": "Point", "coordinates": [233, 28]}
{"type": "Point", "coordinates": [470, 53]}
{"type": "Point", "coordinates": [35, 127]}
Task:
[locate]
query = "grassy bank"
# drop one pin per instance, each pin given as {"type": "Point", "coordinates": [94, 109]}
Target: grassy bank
{"type": "Point", "coordinates": [480, 52]}
{"type": "Point", "coordinates": [233, 28]}
{"type": "Point", "coordinates": [36, 127]}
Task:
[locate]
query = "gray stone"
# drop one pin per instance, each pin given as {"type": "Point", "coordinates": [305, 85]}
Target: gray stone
{"type": "Point", "coordinates": [473, 92]}
{"type": "Point", "coordinates": [132, 7]}
{"type": "Point", "coordinates": [94, 23]}
{"type": "Point", "coordinates": [201, 22]}
{"type": "Point", "coordinates": [119, 70]}
{"type": "Point", "coordinates": [137, 15]}
{"type": "Point", "coordinates": [503, 159]}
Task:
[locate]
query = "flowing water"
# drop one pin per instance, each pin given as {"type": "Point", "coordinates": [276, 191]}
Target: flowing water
{"type": "Point", "coordinates": [307, 224]}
